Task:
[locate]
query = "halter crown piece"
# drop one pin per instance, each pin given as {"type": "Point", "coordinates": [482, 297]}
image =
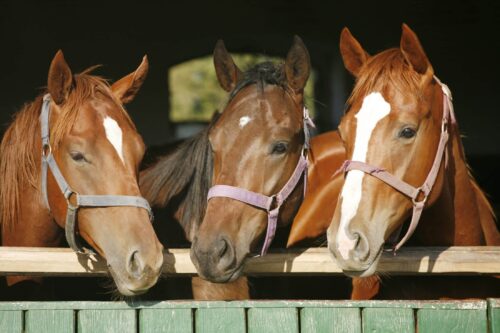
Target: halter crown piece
{"type": "Point", "coordinates": [48, 162]}
{"type": "Point", "coordinates": [271, 204]}
{"type": "Point", "coordinates": [418, 195]}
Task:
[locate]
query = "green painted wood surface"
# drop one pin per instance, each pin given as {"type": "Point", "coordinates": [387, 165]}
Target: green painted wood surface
{"type": "Point", "coordinates": [456, 321]}
{"type": "Point", "coordinates": [219, 320]}
{"type": "Point", "coordinates": [494, 315]}
{"type": "Point", "coordinates": [106, 321]}
{"type": "Point", "coordinates": [333, 320]}
{"type": "Point", "coordinates": [165, 321]}
{"type": "Point", "coordinates": [11, 321]}
{"type": "Point", "coordinates": [251, 316]}
{"type": "Point", "coordinates": [273, 320]}
{"type": "Point", "coordinates": [50, 321]}
{"type": "Point", "coordinates": [388, 320]}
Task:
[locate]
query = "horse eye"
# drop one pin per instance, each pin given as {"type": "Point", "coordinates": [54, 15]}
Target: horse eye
{"type": "Point", "coordinates": [77, 156]}
{"type": "Point", "coordinates": [407, 133]}
{"type": "Point", "coordinates": [279, 148]}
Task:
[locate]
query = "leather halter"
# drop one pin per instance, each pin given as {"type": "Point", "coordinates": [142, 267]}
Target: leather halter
{"type": "Point", "coordinates": [418, 195]}
{"type": "Point", "coordinates": [48, 162]}
{"type": "Point", "coordinates": [271, 204]}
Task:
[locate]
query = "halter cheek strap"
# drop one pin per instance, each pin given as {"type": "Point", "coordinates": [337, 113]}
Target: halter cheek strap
{"type": "Point", "coordinates": [418, 195]}
{"type": "Point", "coordinates": [75, 200]}
{"type": "Point", "coordinates": [271, 204]}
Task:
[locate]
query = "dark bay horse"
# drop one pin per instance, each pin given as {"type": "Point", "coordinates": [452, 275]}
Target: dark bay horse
{"type": "Point", "coordinates": [402, 141]}
{"type": "Point", "coordinates": [78, 148]}
{"type": "Point", "coordinates": [254, 144]}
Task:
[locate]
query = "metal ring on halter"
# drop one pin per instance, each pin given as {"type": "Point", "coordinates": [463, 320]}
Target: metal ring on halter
{"type": "Point", "coordinates": [273, 202]}
{"type": "Point", "coordinates": [423, 201]}
{"type": "Point", "coordinates": [68, 196]}
{"type": "Point", "coordinates": [46, 149]}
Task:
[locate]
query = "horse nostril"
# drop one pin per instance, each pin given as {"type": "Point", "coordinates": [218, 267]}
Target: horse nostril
{"type": "Point", "coordinates": [135, 264]}
{"type": "Point", "coordinates": [356, 239]}
{"type": "Point", "coordinates": [222, 247]}
{"type": "Point", "coordinates": [362, 248]}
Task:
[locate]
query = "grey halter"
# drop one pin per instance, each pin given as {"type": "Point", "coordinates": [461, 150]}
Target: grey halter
{"type": "Point", "coordinates": [48, 162]}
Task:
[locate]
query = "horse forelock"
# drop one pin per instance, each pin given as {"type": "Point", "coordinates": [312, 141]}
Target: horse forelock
{"type": "Point", "coordinates": [387, 68]}
{"type": "Point", "coordinates": [266, 73]}
{"type": "Point", "coordinates": [19, 150]}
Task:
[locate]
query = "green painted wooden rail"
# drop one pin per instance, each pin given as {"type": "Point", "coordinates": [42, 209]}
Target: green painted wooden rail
{"type": "Point", "coordinates": [252, 316]}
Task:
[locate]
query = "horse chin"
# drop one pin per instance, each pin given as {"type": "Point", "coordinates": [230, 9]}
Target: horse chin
{"type": "Point", "coordinates": [228, 276]}
{"type": "Point", "coordinates": [368, 269]}
{"type": "Point", "coordinates": [127, 288]}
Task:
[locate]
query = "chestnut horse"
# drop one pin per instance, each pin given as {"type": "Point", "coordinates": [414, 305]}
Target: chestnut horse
{"type": "Point", "coordinates": [395, 131]}
{"type": "Point", "coordinates": [253, 147]}
{"type": "Point", "coordinates": [83, 152]}
{"type": "Point", "coordinates": [326, 155]}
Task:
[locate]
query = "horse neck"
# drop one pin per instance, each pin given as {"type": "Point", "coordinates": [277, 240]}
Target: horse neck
{"type": "Point", "coordinates": [455, 218]}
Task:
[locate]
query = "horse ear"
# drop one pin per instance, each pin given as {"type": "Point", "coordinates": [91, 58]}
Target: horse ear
{"type": "Point", "coordinates": [414, 53]}
{"type": "Point", "coordinates": [127, 87]}
{"type": "Point", "coordinates": [227, 72]}
{"type": "Point", "coordinates": [297, 65]}
{"type": "Point", "coordinates": [353, 54]}
{"type": "Point", "coordinates": [60, 79]}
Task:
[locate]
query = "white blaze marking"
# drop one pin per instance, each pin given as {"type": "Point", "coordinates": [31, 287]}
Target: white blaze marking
{"type": "Point", "coordinates": [114, 135]}
{"type": "Point", "coordinates": [374, 108]}
{"type": "Point", "coordinates": [244, 121]}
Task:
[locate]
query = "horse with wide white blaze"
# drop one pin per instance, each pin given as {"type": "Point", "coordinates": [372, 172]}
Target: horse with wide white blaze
{"type": "Point", "coordinates": [405, 162]}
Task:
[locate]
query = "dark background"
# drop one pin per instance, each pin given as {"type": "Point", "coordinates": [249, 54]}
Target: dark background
{"type": "Point", "coordinates": [460, 38]}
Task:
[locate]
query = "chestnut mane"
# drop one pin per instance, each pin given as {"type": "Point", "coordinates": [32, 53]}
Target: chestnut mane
{"type": "Point", "coordinates": [386, 68]}
{"type": "Point", "coordinates": [20, 147]}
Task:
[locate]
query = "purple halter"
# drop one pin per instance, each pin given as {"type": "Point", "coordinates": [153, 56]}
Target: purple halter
{"type": "Point", "coordinates": [271, 204]}
{"type": "Point", "coordinates": [418, 195]}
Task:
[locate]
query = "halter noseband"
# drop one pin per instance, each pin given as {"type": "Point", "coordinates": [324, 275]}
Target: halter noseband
{"type": "Point", "coordinates": [418, 195]}
{"type": "Point", "coordinates": [48, 162]}
{"type": "Point", "coordinates": [271, 204]}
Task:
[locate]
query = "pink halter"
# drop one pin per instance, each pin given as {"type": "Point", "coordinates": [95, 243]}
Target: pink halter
{"type": "Point", "coordinates": [410, 191]}
{"type": "Point", "coordinates": [271, 204]}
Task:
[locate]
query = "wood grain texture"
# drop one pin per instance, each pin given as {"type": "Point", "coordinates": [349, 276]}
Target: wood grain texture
{"type": "Point", "coordinates": [50, 321]}
{"type": "Point", "coordinates": [220, 320]}
{"type": "Point", "coordinates": [165, 321]}
{"type": "Point", "coordinates": [330, 320]}
{"type": "Point", "coordinates": [452, 260]}
{"type": "Point", "coordinates": [106, 321]}
{"type": "Point", "coordinates": [273, 320]}
{"type": "Point", "coordinates": [452, 321]}
{"type": "Point", "coordinates": [388, 320]}
{"type": "Point", "coordinates": [11, 321]}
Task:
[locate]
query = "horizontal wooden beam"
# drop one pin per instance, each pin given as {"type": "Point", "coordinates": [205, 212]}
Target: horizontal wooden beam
{"type": "Point", "coordinates": [312, 261]}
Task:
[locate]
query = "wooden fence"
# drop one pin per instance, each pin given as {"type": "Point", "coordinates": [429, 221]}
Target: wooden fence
{"type": "Point", "coordinates": [312, 261]}
{"type": "Point", "coordinates": [252, 317]}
